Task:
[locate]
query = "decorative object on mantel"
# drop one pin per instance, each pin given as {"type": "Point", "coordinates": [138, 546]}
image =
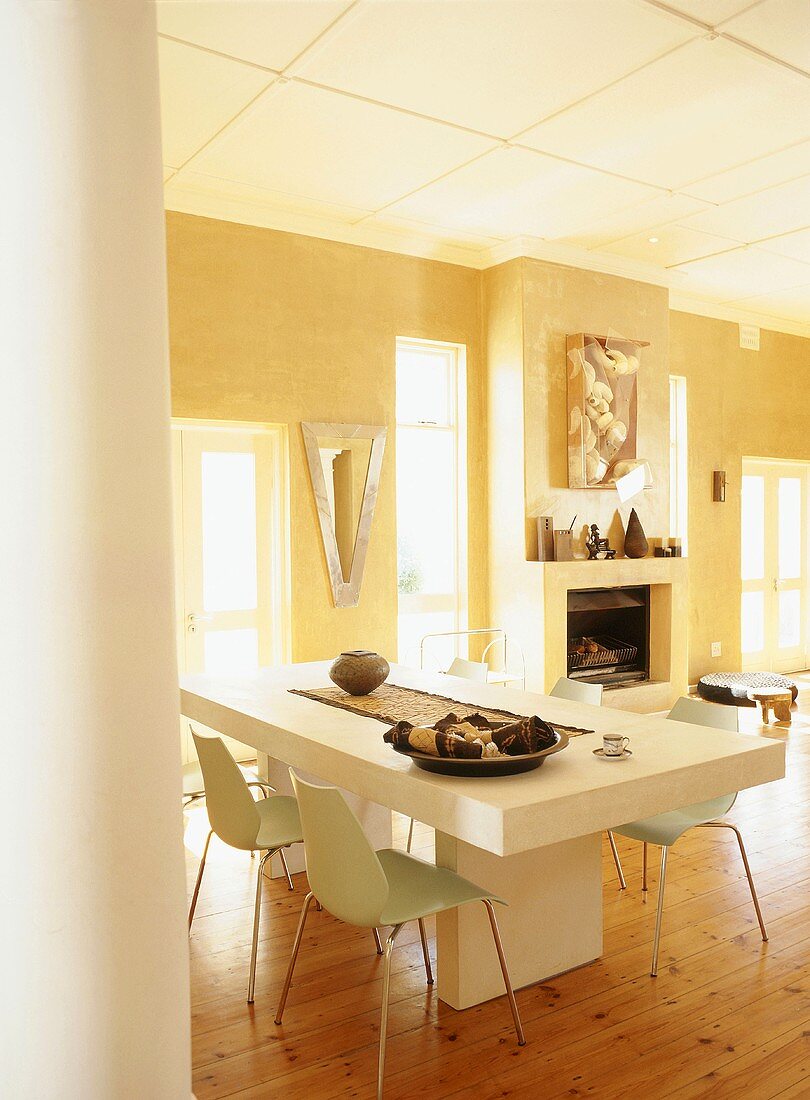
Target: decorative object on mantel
{"type": "Point", "coordinates": [345, 461]}
{"type": "Point", "coordinates": [597, 544]}
{"type": "Point", "coordinates": [359, 671]}
{"type": "Point", "coordinates": [602, 406]}
{"type": "Point", "coordinates": [635, 541]}
{"type": "Point", "coordinates": [668, 548]}
{"type": "Point", "coordinates": [392, 703]}
{"type": "Point", "coordinates": [719, 486]}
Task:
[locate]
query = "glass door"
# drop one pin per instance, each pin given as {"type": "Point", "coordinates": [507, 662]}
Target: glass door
{"type": "Point", "coordinates": [228, 561]}
{"type": "Point", "coordinates": [774, 566]}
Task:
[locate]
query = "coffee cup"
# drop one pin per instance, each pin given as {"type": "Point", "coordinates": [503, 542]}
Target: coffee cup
{"type": "Point", "coordinates": [613, 744]}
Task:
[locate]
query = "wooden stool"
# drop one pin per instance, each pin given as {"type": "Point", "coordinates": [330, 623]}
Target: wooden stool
{"type": "Point", "coordinates": [771, 700]}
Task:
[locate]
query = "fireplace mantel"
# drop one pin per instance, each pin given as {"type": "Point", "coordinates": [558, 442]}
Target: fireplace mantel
{"type": "Point", "coordinates": [668, 579]}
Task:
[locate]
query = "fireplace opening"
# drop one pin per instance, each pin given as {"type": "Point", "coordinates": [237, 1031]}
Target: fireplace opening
{"type": "Point", "coordinates": [609, 635]}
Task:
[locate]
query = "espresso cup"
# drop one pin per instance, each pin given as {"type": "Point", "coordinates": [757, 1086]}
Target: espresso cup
{"type": "Point", "coordinates": [613, 744]}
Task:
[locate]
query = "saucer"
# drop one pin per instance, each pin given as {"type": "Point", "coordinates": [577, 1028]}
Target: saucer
{"type": "Point", "coordinates": [619, 756]}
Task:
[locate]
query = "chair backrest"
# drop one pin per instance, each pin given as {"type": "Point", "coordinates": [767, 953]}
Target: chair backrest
{"type": "Point", "coordinates": [577, 691]}
{"type": "Point", "coordinates": [231, 809]}
{"type": "Point", "coordinates": [716, 716]}
{"type": "Point", "coordinates": [704, 714]}
{"type": "Point", "coordinates": [469, 670]}
{"type": "Point", "coordinates": [343, 871]}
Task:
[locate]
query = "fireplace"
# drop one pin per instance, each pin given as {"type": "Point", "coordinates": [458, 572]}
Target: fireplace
{"type": "Point", "coordinates": [609, 635]}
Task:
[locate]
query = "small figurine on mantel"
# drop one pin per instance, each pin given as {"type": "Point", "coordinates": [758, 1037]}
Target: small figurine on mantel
{"type": "Point", "coordinates": [597, 544]}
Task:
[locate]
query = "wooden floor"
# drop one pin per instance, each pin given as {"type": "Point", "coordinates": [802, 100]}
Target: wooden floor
{"type": "Point", "coordinates": [728, 1016]}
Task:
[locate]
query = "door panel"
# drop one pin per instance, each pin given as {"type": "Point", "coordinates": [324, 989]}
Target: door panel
{"type": "Point", "coordinates": [774, 566]}
{"type": "Point", "coordinates": [225, 554]}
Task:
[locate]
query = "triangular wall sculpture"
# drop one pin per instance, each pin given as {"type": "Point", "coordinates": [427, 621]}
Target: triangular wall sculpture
{"type": "Point", "coordinates": [345, 589]}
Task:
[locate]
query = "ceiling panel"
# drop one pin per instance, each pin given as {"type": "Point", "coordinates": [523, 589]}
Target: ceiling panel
{"type": "Point", "coordinates": [304, 141]}
{"type": "Point", "coordinates": [267, 32]}
{"type": "Point", "coordinates": [795, 245]}
{"type": "Point", "coordinates": [671, 244]}
{"type": "Point", "coordinates": [233, 192]}
{"type": "Point", "coordinates": [703, 108]}
{"type": "Point", "coordinates": [710, 11]}
{"type": "Point", "coordinates": [744, 273]}
{"type": "Point", "coordinates": [199, 93]}
{"type": "Point", "coordinates": [780, 27]}
{"type": "Point", "coordinates": [635, 219]}
{"type": "Point", "coordinates": [765, 214]}
{"type": "Point", "coordinates": [456, 237]}
{"type": "Point", "coordinates": [495, 67]}
{"type": "Point", "coordinates": [790, 305]}
{"type": "Point", "coordinates": [513, 191]}
{"type": "Point", "coordinates": [758, 174]}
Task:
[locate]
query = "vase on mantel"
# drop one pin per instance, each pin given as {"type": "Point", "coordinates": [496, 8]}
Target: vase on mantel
{"type": "Point", "coordinates": [635, 541]}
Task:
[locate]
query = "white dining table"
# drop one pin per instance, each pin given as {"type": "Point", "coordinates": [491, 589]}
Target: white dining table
{"type": "Point", "coordinates": [534, 838]}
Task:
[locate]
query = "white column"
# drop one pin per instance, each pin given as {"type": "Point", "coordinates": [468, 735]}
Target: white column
{"type": "Point", "coordinates": [94, 973]}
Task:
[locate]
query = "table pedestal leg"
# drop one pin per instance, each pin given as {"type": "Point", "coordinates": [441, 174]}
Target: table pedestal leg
{"type": "Point", "coordinates": [553, 922]}
{"type": "Point", "coordinates": [376, 820]}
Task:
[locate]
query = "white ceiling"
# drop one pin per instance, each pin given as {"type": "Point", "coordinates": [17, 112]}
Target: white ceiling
{"type": "Point", "coordinates": [666, 140]}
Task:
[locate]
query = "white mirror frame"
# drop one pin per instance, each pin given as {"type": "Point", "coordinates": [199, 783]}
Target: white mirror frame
{"type": "Point", "coordinates": [345, 593]}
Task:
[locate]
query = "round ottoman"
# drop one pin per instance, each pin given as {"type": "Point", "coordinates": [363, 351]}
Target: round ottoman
{"type": "Point", "coordinates": [732, 688]}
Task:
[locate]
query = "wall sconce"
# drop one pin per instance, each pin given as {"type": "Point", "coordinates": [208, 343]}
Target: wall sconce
{"type": "Point", "coordinates": [719, 486]}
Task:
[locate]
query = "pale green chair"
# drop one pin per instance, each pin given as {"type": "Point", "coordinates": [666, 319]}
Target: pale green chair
{"type": "Point", "coordinates": [367, 888]}
{"type": "Point", "coordinates": [664, 829]}
{"type": "Point", "coordinates": [578, 692]}
{"type": "Point", "coordinates": [267, 826]}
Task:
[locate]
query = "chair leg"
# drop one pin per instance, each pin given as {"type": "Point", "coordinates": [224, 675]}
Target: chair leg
{"type": "Point", "coordinates": [296, 945]}
{"type": "Point", "coordinates": [617, 861]}
{"type": "Point", "coordinates": [746, 865]}
{"type": "Point", "coordinates": [389, 947]}
{"type": "Point", "coordinates": [644, 871]}
{"type": "Point", "coordinates": [195, 895]}
{"type": "Point", "coordinates": [657, 937]}
{"type": "Point", "coordinates": [377, 943]}
{"type": "Point", "coordinates": [283, 859]}
{"type": "Point", "coordinates": [410, 837]}
{"type": "Point", "coordinates": [496, 935]}
{"type": "Point", "coordinates": [425, 952]}
{"type": "Point", "coordinates": [256, 914]}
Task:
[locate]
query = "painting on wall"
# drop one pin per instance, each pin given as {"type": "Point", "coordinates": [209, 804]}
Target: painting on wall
{"type": "Point", "coordinates": [602, 408]}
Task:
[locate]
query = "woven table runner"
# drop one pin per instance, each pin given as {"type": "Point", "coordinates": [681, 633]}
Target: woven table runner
{"type": "Point", "coordinates": [391, 704]}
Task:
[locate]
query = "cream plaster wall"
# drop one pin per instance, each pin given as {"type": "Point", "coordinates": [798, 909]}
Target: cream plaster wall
{"type": "Point", "coordinates": [529, 307]}
{"type": "Point", "coordinates": [738, 403]}
{"type": "Point", "coordinates": [274, 327]}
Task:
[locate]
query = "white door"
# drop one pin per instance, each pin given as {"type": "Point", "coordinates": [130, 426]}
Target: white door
{"type": "Point", "coordinates": [228, 563]}
{"type": "Point", "coordinates": [774, 566]}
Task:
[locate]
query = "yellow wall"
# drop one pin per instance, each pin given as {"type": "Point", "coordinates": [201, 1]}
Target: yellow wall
{"type": "Point", "coordinates": [739, 403]}
{"type": "Point", "coordinates": [270, 326]}
{"type": "Point", "coordinates": [274, 327]}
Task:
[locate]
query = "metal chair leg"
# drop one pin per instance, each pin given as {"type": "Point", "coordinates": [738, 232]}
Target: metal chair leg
{"type": "Point", "coordinates": [644, 871]}
{"type": "Point", "coordinates": [195, 895]}
{"type": "Point", "coordinates": [377, 941]}
{"type": "Point", "coordinates": [746, 865]}
{"type": "Point", "coordinates": [256, 914]}
{"type": "Point", "coordinates": [296, 945]}
{"type": "Point", "coordinates": [410, 837]}
{"type": "Point", "coordinates": [389, 947]}
{"type": "Point", "coordinates": [657, 937]}
{"type": "Point", "coordinates": [617, 861]}
{"type": "Point", "coordinates": [283, 859]}
{"type": "Point", "coordinates": [425, 952]}
{"type": "Point", "coordinates": [496, 935]}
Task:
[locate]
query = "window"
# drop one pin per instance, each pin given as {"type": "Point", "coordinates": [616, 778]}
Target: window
{"type": "Point", "coordinates": [678, 508]}
{"type": "Point", "coordinates": [431, 496]}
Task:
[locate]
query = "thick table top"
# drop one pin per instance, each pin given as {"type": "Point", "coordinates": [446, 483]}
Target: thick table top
{"type": "Point", "coordinates": [574, 794]}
